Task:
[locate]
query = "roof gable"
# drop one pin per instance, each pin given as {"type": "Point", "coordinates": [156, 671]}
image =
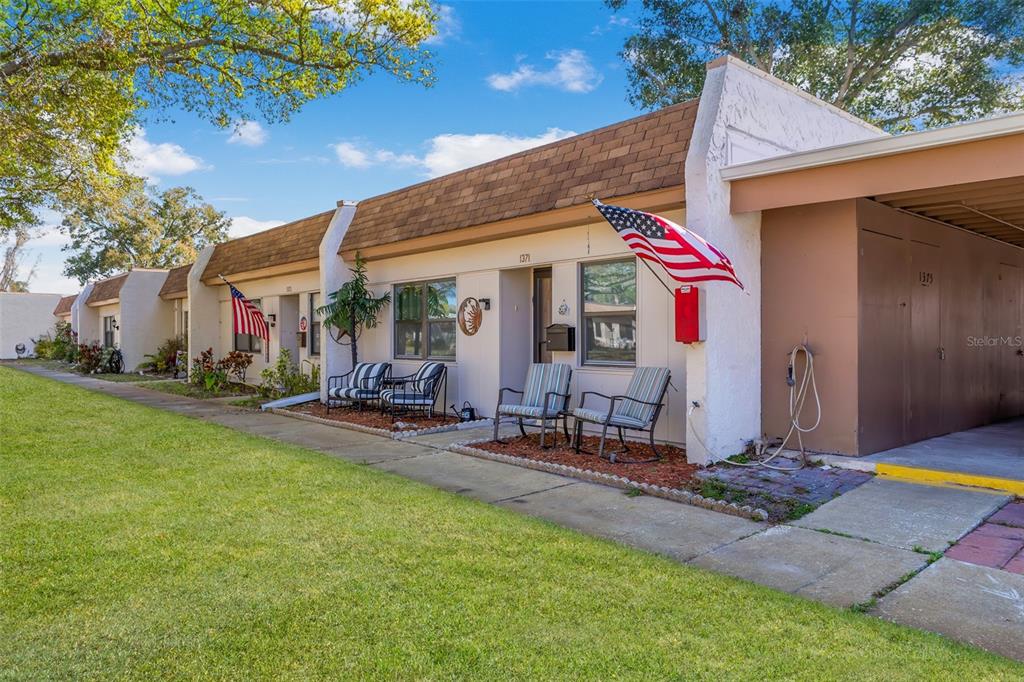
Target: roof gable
{"type": "Point", "coordinates": [637, 155]}
{"type": "Point", "coordinates": [176, 282]}
{"type": "Point", "coordinates": [64, 305]}
{"type": "Point", "coordinates": [107, 289]}
{"type": "Point", "coordinates": [291, 243]}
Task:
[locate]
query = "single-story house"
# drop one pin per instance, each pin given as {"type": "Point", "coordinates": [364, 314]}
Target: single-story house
{"type": "Point", "coordinates": [125, 311]}
{"type": "Point", "coordinates": [63, 310]}
{"type": "Point", "coordinates": [279, 271]}
{"type": "Point", "coordinates": [520, 235]}
{"type": "Point", "coordinates": [24, 317]}
{"type": "Point", "coordinates": [175, 291]}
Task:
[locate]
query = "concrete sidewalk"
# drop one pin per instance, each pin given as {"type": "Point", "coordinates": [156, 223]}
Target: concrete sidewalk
{"type": "Point", "coordinates": [869, 547]}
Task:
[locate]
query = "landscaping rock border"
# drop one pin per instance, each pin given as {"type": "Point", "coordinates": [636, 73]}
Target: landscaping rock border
{"type": "Point", "coordinates": [386, 433]}
{"type": "Point", "coordinates": [674, 494]}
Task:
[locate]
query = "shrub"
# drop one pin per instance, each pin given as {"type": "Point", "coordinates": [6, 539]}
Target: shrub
{"type": "Point", "coordinates": [44, 347]}
{"type": "Point", "coordinates": [165, 359]}
{"type": "Point", "coordinates": [65, 343]}
{"type": "Point", "coordinates": [236, 363]}
{"type": "Point", "coordinates": [285, 379]}
{"type": "Point", "coordinates": [90, 357]}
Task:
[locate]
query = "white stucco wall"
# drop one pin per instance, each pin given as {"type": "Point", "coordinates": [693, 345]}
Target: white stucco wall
{"type": "Point", "coordinates": [335, 359]}
{"type": "Point", "coordinates": [203, 309]}
{"type": "Point", "coordinates": [744, 114]}
{"type": "Point", "coordinates": [23, 319]}
{"type": "Point", "coordinates": [146, 320]}
{"type": "Point", "coordinates": [84, 321]}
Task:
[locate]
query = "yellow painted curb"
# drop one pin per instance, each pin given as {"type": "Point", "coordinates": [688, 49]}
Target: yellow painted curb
{"type": "Point", "coordinates": [936, 476]}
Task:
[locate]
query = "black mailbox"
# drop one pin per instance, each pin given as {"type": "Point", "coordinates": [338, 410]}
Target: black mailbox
{"type": "Point", "coordinates": [561, 337]}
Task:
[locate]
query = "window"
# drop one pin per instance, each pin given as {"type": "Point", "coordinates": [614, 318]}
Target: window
{"type": "Point", "coordinates": [425, 320]}
{"type": "Point", "coordinates": [248, 343]}
{"type": "Point", "coordinates": [108, 331]}
{"type": "Point", "coordinates": [314, 324]}
{"type": "Point", "coordinates": [609, 312]}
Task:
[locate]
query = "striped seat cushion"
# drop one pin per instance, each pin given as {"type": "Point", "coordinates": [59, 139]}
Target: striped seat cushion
{"type": "Point", "coordinates": [648, 384]}
{"type": "Point", "coordinates": [523, 411]}
{"type": "Point", "coordinates": [367, 375]}
{"type": "Point", "coordinates": [598, 417]}
{"type": "Point", "coordinates": [427, 376]}
{"type": "Point", "coordinates": [405, 397]}
{"type": "Point", "coordinates": [349, 393]}
{"type": "Point", "coordinates": [543, 378]}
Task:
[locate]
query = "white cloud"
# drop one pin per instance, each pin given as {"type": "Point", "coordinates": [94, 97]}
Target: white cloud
{"type": "Point", "coordinates": [448, 25]}
{"type": "Point", "coordinates": [614, 21]}
{"type": "Point", "coordinates": [452, 152]}
{"type": "Point", "coordinates": [244, 225]}
{"type": "Point", "coordinates": [248, 133]}
{"type": "Point", "coordinates": [351, 156]}
{"type": "Point", "coordinates": [572, 72]}
{"type": "Point", "coordinates": [448, 152]}
{"type": "Point", "coordinates": [155, 160]}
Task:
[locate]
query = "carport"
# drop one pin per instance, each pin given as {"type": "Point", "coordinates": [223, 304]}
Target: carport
{"type": "Point", "coordinates": [899, 261]}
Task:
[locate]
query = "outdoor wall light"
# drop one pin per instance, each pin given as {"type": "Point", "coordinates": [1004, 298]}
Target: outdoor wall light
{"type": "Point", "coordinates": [114, 324]}
{"type": "Point", "coordinates": [273, 319]}
{"type": "Point", "coordinates": [485, 302]}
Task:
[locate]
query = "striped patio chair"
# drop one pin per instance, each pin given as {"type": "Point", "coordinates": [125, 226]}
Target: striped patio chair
{"type": "Point", "coordinates": [416, 392]}
{"type": "Point", "coordinates": [636, 410]}
{"type": "Point", "coordinates": [545, 395]}
{"type": "Point", "coordinates": [360, 386]}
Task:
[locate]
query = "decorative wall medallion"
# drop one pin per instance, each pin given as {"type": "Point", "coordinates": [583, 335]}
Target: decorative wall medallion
{"type": "Point", "coordinates": [471, 315]}
{"type": "Point", "coordinates": [303, 324]}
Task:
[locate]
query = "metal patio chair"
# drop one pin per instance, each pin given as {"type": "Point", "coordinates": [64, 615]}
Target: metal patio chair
{"type": "Point", "coordinates": [636, 410]}
{"type": "Point", "coordinates": [416, 392]}
{"type": "Point", "coordinates": [545, 398]}
{"type": "Point", "coordinates": [360, 386]}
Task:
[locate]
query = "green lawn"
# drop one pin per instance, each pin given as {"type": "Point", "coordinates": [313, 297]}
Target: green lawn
{"type": "Point", "coordinates": [137, 543]}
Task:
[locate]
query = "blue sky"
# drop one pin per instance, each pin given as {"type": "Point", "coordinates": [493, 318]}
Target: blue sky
{"type": "Point", "coordinates": [509, 75]}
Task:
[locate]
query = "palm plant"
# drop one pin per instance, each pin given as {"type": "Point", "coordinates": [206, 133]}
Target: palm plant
{"type": "Point", "coordinates": [352, 308]}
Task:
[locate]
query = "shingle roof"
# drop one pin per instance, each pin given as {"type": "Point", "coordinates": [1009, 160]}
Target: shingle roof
{"type": "Point", "coordinates": [107, 289]}
{"type": "Point", "coordinates": [176, 282]}
{"type": "Point", "coordinates": [291, 243]}
{"type": "Point", "coordinates": [638, 155]}
{"type": "Point", "coordinates": [64, 305]}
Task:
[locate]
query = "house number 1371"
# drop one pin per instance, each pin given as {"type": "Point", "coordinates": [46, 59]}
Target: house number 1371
{"type": "Point", "coordinates": [524, 258]}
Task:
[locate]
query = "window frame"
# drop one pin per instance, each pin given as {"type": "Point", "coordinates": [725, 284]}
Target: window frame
{"type": "Point", "coordinates": [583, 315]}
{"type": "Point", "coordinates": [424, 320]}
{"type": "Point", "coordinates": [315, 327]}
{"type": "Point", "coordinates": [258, 302]}
{"type": "Point", "coordinates": [108, 328]}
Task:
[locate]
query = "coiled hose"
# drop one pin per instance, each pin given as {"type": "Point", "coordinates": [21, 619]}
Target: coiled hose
{"type": "Point", "coordinates": [798, 392]}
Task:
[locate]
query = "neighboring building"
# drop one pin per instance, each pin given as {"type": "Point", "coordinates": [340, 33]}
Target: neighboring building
{"type": "Point", "coordinates": [24, 317]}
{"type": "Point", "coordinates": [521, 233]}
{"type": "Point", "coordinates": [63, 310]}
{"type": "Point", "coordinates": [175, 291]}
{"type": "Point", "coordinates": [278, 270]}
{"type": "Point", "coordinates": [125, 311]}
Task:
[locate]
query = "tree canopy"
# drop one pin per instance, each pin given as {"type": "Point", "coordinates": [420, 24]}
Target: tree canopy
{"type": "Point", "coordinates": [901, 64]}
{"type": "Point", "coordinates": [138, 227]}
{"type": "Point", "coordinates": [77, 76]}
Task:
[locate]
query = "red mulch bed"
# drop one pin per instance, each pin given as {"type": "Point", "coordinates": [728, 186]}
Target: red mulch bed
{"type": "Point", "coordinates": [372, 417]}
{"type": "Point", "coordinates": [671, 471]}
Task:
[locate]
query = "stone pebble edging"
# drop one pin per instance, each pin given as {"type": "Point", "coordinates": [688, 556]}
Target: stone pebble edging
{"type": "Point", "coordinates": [674, 494]}
{"type": "Point", "coordinates": [386, 433]}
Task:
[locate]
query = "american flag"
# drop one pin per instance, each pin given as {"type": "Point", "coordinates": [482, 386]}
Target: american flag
{"type": "Point", "coordinates": [248, 318]}
{"type": "Point", "coordinates": [685, 256]}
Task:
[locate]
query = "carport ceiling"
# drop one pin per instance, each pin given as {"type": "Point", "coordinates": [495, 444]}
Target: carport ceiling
{"type": "Point", "coordinates": [994, 208]}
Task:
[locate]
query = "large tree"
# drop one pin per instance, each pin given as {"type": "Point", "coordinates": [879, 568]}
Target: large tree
{"type": "Point", "coordinates": [901, 64]}
{"type": "Point", "coordinates": [13, 274]}
{"type": "Point", "coordinates": [77, 76]}
{"type": "Point", "coordinates": [135, 226]}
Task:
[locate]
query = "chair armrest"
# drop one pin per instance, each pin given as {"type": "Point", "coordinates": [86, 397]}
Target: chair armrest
{"type": "Point", "coordinates": [547, 400]}
{"type": "Point", "coordinates": [332, 380]}
{"type": "Point", "coordinates": [501, 393]}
